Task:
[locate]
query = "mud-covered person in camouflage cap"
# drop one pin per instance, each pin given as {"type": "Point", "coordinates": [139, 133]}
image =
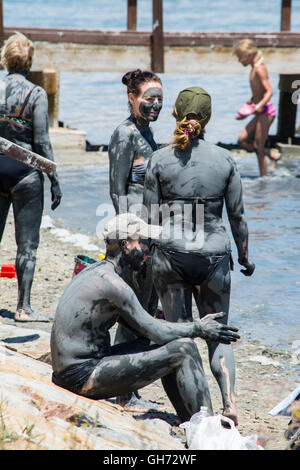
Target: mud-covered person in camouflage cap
{"type": "Point", "coordinates": [190, 180]}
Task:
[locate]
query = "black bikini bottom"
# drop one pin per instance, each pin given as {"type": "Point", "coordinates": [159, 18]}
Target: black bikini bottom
{"type": "Point", "coordinates": [194, 268]}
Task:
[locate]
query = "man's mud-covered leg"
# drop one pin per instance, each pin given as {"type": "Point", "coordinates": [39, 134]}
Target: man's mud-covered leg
{"type": "Point", "coordinates": [177, 363]}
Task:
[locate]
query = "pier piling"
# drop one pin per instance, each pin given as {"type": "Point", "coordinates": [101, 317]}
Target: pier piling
{"type": "Point", "coordinates": [49, 80]}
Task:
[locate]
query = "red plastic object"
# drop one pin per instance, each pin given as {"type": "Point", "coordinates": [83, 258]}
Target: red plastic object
{"type": "Point", "coordinates": [8, 270]}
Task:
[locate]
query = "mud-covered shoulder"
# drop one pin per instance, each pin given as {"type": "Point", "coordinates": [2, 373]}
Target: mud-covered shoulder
{"type": "Point", "coordinates": [123, 132]}
{"type": "Point", "coordinates": [223, 154]}
{"type": "Point", "coordinates": [158, 156]}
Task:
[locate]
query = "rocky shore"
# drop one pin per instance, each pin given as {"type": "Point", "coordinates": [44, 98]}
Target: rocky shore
{"type": "Point", "coordinates": [263, 376]}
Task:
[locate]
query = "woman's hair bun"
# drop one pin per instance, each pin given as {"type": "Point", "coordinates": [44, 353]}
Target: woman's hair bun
{"type": "Point", "coordinates": [135, 78]}
{"type": "Point", "coordinates": [131, 75]}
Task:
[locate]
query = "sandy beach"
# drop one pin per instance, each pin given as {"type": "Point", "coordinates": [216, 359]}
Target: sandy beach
{"type": "Point", "coordinates": [264, 377]}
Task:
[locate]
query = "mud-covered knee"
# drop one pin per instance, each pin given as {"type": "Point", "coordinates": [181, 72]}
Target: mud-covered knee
{"type": "Point", "coordinates": [27, 250]}
{"type": "Point", "coordinates": [188, 347]}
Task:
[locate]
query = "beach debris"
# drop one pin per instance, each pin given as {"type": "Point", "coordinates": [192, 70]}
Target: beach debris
{"type": "Point", "coordinates": [209, 433]}
{"type": "Point", "coordinates": [290, 406]}
{"type": "Point", "coordinates": [265, 361]}
{"type": "Point", "coordinates": [284, 408]}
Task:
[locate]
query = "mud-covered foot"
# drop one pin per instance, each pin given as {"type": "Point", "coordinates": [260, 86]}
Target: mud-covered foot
{"type": "Point", "coordinates": [134, 403]}
{"type": "Point", "coordinates": [230, 412]}
{"type": "Point", "coordinates": [30, 315]}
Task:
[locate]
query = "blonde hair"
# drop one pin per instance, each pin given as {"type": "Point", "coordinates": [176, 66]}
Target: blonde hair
{"type": "Point", "coordinates": [247, 47]}
{"type": "Point", "coordinates": [186, 130]}
{"type": "Point", "coordinates": [17, 53]}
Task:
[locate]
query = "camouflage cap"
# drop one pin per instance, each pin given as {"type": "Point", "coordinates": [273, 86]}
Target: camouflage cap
{"type": "Point", "coordinates": [128, 225]}
{"type": "Point", "coordinates": [194, 100]}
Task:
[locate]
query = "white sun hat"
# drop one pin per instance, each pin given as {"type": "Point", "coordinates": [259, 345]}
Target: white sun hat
{"type": "Point", "coordinates": [128, 225]}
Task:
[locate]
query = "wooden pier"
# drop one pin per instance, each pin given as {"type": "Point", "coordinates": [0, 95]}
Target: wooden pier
{"type": "Point", "coordinates": [167, 52]}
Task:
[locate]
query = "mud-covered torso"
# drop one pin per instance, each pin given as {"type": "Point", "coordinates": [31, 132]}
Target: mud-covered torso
{"type": "Point", "coordinates": [83, 317]}
{"type": "Point", "coordinates": [194, 185]}
{"type": "Point", "coordinates": [130, 149]}
{"type": "Point", "coordinates": [20, 103]}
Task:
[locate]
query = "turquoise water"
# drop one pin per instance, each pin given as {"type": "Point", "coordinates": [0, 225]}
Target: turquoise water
{"type": "Point", "coordinates": [265, 306]}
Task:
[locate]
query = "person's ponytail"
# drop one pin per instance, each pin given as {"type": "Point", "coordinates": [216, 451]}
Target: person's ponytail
{"type": "Point", "coordinates": [186, 130]}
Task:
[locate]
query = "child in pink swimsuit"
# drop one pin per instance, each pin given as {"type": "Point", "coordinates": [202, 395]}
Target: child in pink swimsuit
{"type": "Point", "coordinates": [253, 137]}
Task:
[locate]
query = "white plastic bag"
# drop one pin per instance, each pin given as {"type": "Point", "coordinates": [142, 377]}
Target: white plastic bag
{"type": "Point", "coordinates": [209, 434]}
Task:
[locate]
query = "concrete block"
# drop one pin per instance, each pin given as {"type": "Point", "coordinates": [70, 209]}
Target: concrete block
{"type": "Point", "coordinates": [63, 138]}
{"type": "Point", "coordinates": [288, 150]}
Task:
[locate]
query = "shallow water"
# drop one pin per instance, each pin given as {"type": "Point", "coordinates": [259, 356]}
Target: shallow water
{"type": "Point", "coordinates": [265, 306]}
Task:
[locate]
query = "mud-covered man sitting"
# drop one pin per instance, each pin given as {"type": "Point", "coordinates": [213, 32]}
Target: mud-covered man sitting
{"type": "Point", "coordinates": [83, 359]}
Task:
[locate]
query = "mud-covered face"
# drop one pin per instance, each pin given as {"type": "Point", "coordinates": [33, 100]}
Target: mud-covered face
{"type": "Point", "coordinates": [148, 104]}
{"type": "Point", "coordinates": [135, 253]}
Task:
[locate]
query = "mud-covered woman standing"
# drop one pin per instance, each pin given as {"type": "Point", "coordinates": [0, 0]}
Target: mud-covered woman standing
{"type": "Point", "coordinates": [24, 121]}
{"type": "Point", "coordinates": [191, 180]}
{"type": "Point", "coordinates": [130, 149]}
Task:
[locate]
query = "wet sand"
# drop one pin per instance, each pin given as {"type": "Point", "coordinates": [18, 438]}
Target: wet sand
{"type": "Point", "coordinates": [263, 376]}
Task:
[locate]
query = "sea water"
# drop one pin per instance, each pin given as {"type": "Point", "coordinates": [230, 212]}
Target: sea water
{"type": "Point", "coordinates": [97, 102]}
{"type": "Point", "coordinates": [265, 306]}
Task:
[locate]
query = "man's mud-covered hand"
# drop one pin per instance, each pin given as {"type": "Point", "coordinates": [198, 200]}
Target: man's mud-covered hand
{"type": "Point", "coordinates": [250, 267]}
{"type": "Point", "coordinates": [211, 329]}
{"type": "Point", "coordinates": [56, 193]}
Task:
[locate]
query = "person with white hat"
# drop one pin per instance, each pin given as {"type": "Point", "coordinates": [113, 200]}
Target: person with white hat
{"type": "Point", "coordinates": [83, 359]}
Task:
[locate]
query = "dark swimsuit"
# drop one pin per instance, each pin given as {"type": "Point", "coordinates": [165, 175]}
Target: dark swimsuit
{"type": "Point", "coordinates": [137, 174]}
{"type": "Point", "coordinates": [74, 377]}
{"type": "Point", "coordinates": [13, 171]}
{"type": "Point", "coordinates": [193, 268]}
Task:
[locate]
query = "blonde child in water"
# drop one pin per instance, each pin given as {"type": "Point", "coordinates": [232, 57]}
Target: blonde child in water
{"type": "Point", "coordinates": [253, 137]}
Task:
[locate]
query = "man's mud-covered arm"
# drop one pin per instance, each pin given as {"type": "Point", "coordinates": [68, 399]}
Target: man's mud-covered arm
{"type": "Point", "coordinates": [121, 154]}
{"type": "Point", "coordinates": [132, 314]}
{"type": "Point", "coordinates": [236, 216]}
